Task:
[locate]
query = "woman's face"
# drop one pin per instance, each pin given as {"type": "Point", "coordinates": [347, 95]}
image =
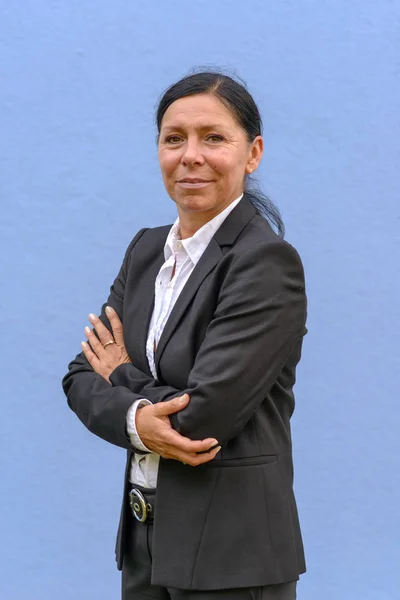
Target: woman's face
{"type": "Point", "coordinates": [204, 155]}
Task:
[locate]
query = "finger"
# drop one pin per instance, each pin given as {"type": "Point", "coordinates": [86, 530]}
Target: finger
{"type": "Point", "coordinates": [96, 346]}
{"type": "Point", "coordinates": [204, 458]}
{"type": "Point", "coordinates": [116, 325]}
{"type": "Point", "coordinates": [90, 355]}
{"type": "Point", "coordinates": [208, 450]}
{"type": "Point", "coordinates": [180, 443]}
{"type": "Point", "coordinates": [195, 460]}
{"type": "Point", "coordinates": [101, 330]}
{"type": "Point", "coordinates": [171, 406]}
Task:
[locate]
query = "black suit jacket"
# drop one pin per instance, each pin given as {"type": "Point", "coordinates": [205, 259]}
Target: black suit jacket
{"type": "Point", "coordinates": [232, 343]}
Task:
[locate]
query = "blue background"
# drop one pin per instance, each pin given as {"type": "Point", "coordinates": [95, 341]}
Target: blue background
{"type": "Point", "coordinates": [79, 81]}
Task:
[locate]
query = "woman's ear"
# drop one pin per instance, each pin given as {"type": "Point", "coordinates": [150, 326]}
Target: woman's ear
{"type": "Point", "coordinates": [256, 152]}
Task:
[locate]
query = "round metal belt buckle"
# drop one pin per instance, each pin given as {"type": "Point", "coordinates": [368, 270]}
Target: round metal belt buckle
{"type": "Point", "coordinates": [138, 505]}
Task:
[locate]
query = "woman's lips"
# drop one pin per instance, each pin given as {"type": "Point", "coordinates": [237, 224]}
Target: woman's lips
{"type": "Point", "coordinates": [195, 183]}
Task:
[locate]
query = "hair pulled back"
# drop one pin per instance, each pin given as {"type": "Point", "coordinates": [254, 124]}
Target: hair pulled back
{"type": "Point", "coordinates": [235, 96]}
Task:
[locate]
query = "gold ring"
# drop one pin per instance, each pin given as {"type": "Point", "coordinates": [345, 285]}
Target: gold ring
{"type": "Point", "coordinates": [108, 343]}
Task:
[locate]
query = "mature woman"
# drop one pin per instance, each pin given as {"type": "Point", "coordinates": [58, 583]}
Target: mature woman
{"type": "Point", "coordinates": [191, 366]}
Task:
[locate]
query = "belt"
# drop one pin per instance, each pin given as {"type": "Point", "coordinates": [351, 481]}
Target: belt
{"type": "Point", "coordinates": [142, 503]}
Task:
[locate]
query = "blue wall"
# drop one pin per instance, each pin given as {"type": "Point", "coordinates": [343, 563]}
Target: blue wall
{"type": "Point", "coordinates": [79, 81]}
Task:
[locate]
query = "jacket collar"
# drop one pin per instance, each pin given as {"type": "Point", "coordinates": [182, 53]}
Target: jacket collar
{"type": "Point", "coordinates": [235, 223]}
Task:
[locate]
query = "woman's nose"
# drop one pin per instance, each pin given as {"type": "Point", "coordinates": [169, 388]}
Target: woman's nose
{"type": "Point", "coordinates": [192, 153]}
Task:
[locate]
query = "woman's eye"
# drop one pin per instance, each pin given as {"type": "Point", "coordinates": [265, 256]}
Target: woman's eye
{"type": "Point", "coordinates": [173, 139]}
{"type": "Point", "coordinates": [215, 138]}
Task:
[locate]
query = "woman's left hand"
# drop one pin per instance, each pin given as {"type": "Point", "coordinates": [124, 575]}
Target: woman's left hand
{"type": "Point", "coordinates": [107, 351]}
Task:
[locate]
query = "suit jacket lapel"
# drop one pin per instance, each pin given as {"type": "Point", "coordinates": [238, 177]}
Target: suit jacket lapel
{"type": "Point", "coordinates": [143, 303]}
{"type": "Point", "coordinates": [225, 236]}
{"type": "Point", "coordinates": [207, 262]}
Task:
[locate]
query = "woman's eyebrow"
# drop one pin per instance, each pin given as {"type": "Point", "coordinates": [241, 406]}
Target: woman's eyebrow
{"type": "Point", "coordinates": [204, 127]}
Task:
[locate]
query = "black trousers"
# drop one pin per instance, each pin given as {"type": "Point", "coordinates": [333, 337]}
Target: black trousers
{"type": "Point", "coordinates": [136, 576]}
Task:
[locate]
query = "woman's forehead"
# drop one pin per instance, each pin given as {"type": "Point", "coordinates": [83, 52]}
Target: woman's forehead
{"type": "Point", "coordinates": [204, 110]}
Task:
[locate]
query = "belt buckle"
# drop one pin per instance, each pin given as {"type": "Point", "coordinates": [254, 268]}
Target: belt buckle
{"type": "Point", "coordinates": [139, 506]}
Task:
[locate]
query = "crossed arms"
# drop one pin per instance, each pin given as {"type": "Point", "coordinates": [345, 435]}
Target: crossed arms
{"type": "Point", "coordinates": [259, 319]}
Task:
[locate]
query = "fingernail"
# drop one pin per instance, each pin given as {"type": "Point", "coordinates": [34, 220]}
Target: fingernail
{"type": "Point", "coordinates": [183, 399]}
{"type": "Point", "coordinates": [92, 316]}
{"type": "Point", "coordinates": [108, 310]}
{"type": "Point", "coordinates": [217, 449]}
{"type": "Point", "coordinates": [87, 330]}
{"type": "Point", "coordinates": [213, 443]}
{"type": "Point", "coordinates": [83, 344]}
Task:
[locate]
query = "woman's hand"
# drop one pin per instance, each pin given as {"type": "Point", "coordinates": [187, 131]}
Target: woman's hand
{"type": "Point", "coordinates": [154, 429]}
{"type": "Point", "coordinates": [108, 351]}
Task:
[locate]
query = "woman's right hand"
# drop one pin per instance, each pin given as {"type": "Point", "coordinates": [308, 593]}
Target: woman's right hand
{"type": "Point", "coordinates": [155, 431]}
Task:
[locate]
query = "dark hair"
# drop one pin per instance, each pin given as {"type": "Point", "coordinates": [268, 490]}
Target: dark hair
{"type": "Point", "coordinates": [234, 95]}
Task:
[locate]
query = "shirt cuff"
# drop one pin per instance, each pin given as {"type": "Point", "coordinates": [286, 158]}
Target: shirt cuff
{"type": "Point", "coordinates": [131, 424]}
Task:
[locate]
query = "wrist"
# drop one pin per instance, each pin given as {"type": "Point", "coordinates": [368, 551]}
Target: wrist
{"type": "Point", "coordinates": [138, 440]}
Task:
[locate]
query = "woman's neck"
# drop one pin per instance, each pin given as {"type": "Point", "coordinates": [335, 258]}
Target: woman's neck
{"type": "Point", "coordinates": [192, 221]}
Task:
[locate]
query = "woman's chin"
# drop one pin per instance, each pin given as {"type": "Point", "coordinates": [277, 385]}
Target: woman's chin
{"type": "Point", "coordinates": [194, 202]}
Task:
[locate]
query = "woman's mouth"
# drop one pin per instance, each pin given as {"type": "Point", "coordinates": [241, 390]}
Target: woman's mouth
{"type": "Point", "coordinates": [193, 182]}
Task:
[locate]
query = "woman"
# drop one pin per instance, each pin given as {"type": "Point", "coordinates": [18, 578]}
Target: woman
{"type": "Point", "coordinates": [193, 366]}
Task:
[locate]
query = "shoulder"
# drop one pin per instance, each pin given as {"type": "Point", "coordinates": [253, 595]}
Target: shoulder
{"type": "Point", "coordinates": [262, 271]}
{"type": "Point", "coordinates": [148, 234]}
{"type": "Point", "coordinates": [258, 242]}
{"type": "Point", "coordinates": [148, 238]}
{"type": "Point", "coordinates": [261, 264]}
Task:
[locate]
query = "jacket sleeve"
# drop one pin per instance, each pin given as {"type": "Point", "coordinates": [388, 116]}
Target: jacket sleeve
{"type": "Point", "coordinates": [100, 406]}
{"type": "Point", "coordinates": [260, 317]}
